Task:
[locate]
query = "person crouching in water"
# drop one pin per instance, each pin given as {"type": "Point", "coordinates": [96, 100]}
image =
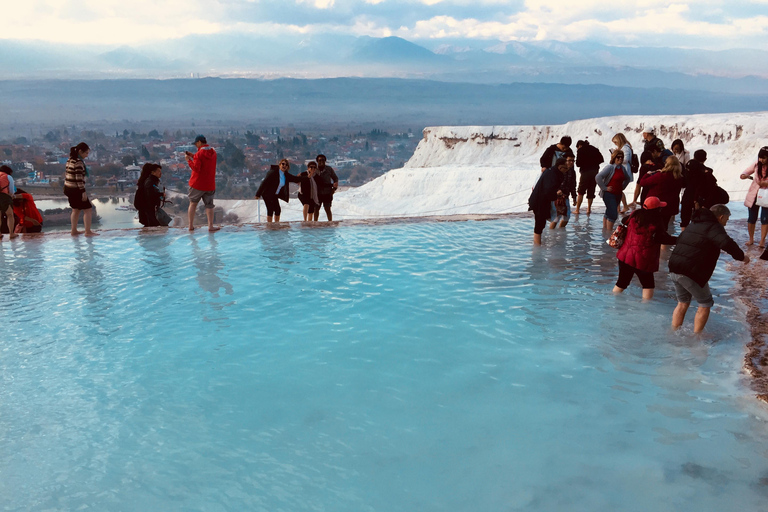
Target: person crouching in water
{"type": "Point", "coordinates": [308, 193]}
{"type": "Point", "coordinates": [545, 192]}
{"type": "Point", "coordinates": [612, 180]}
{"type": "Point", "coordinates": [639, 254]}
{"type": "Point", "coordinates": [275, 187]}
{"type": "Point", "coordinates": [149, 197]}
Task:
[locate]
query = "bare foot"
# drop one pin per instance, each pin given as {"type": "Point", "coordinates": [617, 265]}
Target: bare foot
{"type": "Point", "coordinates": [91, 233]}
{"type": "Point", "coordinates": [12, 236]}
{"type": "Point", "coordinates": [576, 212]}
{"type": "Point", "coordinates": [191, 228]}
{"type": "Point", "coordinates": [213, 228]}
{"type": "Point", "coordinates": [589, 211]}
{"type": "Point", "coordinates": [751, 242]}
{"type": "Point", "coordinates": [75, 233]}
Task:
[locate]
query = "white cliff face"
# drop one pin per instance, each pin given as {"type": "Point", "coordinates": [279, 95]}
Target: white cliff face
{"type": "Point", "coordinates": [491, 169]}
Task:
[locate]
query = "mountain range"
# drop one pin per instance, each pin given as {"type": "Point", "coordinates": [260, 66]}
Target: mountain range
{"type": "Point", "coordinates": [248, 55]}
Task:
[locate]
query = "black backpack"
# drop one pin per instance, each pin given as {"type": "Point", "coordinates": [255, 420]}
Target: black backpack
{"type": "Point", "coordinates": [635, 163]}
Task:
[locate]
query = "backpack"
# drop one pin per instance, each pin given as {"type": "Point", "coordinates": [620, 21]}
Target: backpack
{"type": "Point", "coordinates": [4, 184]}
{"type": "Point", "coordinates": [635, 163]}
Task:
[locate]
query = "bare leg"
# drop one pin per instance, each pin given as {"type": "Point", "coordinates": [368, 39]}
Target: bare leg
{"type": "Point", "coordinates": [191, 215]}
{"type": "Point", "coordinates": [609, 225]}
{"type": "Point", "coordinates": [578, 202]}
{"type": "Point", "coordinates": [616, 289]}
{"type": "Point", "coordinates": [751, 231]}
{"type": "Point", "coordinates": [679, 315]}
{"type": "Point", "coordinates": [536, 239]}
{"type": "Point", "coordinates": [87, 218]}
{"type": "Point", "coordinates": [624, 203]}
{"type": "Point", "coordinates": [209, 214]}
{"type": "Point", "coordinates": [702, 315]}
{"type": "Point", "coordinates": [277, 218]}
{"type": "Point", "coordinates": [9, 221]}
{"type": "Point", "coordinates": [589, 206]}
{"type": "Point", "coordinates": [552, 225]}
{"type": "Point", "coordinates": [763, 232]}
{"type": "Point", "coordinates": [328, 213]}
{"type": "Point", "coordinates": [317, 215]}
{"type": "Point", "coordinates": [648, 293]}
{"type": "Point", "coordinates": [306, 212]}
{"type": "Point", "coordinates": [563, 223]}
{"type": "Point", "coordinates": [269, 218]}
{"type": "Point", "coordinates": [638, 188]}
{"type": "Point", "coordinates": [73, 218]}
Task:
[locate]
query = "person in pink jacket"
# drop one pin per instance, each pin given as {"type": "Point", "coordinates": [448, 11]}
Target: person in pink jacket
{"type": "Point", "coordinates": [759, 175]}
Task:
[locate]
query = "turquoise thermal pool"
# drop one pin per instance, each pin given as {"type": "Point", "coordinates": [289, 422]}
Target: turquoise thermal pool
{"type": "Point", "coordinates": [402, 367]}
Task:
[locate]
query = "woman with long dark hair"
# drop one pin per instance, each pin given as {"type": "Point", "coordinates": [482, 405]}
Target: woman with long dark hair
{"type": "Point", "coordinates": [74, 188]}
{"type": "Point", "coordinates": [760, 180]}
{"type": "Point", "coordinates": [149, 197]}
{"type": "Point", "coordinates": [308, 194]}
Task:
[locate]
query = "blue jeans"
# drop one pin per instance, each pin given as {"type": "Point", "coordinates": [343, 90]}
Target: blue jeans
{"type": "Point", "coordinates": [611, 201]}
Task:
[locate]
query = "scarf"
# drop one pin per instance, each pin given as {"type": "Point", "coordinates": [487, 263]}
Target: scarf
{"type": "Point", "coordinates": [313, 188]}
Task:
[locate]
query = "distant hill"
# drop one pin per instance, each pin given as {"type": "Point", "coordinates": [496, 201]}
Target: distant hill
{"type": "Point", "coordinates": [416, 103]}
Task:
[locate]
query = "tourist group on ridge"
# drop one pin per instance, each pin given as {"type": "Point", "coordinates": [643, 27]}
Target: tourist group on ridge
{"type": "Point", "coordinates": [662, 175]}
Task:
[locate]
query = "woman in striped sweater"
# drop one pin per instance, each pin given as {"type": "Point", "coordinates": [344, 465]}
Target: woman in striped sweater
{"type": "Point", "coordinates": [74, 188]}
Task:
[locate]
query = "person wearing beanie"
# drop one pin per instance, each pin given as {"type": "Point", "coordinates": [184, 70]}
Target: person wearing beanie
{"type": "Point", "coordinates": [639, 254]}
{"type": "Point", "coordinates": [758, 172]}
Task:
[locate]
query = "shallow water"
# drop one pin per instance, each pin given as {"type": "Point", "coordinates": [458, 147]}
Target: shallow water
{"type": "Point", "coordinates": [429, 366]}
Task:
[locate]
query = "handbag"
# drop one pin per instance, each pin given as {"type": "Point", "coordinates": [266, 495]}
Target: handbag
{"type": "Point", "coordinates": [762, 197]}
{"type": "Point", "coordinates": [560, 205]}
{"type": "Point", "coordinates": [162, 217]}
{"type": "Point", "coordinates": [618, 236]}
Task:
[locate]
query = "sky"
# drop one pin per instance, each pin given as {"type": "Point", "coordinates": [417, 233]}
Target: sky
{"type": "Point", "coordinates": [706, 24]}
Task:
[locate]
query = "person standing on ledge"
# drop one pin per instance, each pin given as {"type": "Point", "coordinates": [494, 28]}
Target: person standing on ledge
{"type": "Point", "coordinates": [202, 183]}
{"type": "Point", "coordinates": [328, 183]}
{"type": "Point", "coordinates": [274, 187]}
{"type": "Point", "coordinates": [693, 261]}
{"type": "Point", "coordinates": [74, 188]}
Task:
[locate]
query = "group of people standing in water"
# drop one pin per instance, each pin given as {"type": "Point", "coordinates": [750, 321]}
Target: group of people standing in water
{"type": "Point", "coordinates": [661, 176]}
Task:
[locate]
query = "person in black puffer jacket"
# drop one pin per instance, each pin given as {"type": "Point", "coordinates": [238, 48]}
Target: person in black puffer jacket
{"type": "Point", "coordinates": [694, 259]}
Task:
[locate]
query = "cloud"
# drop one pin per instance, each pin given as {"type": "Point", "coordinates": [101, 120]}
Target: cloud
{"type": "Point", "coordinates": [705, 23]}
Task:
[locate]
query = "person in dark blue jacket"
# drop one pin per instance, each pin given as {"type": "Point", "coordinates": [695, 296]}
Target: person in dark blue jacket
{"type": "Point", "coordinates": [694, 259]}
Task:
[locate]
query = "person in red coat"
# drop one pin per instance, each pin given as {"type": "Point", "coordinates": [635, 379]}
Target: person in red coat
{"type": "Point", "coordinates": [639, 254]}
{"type": "Point", "coordinates": [202, 183]}
{"type": "Point", "coordinates": [665, 185]}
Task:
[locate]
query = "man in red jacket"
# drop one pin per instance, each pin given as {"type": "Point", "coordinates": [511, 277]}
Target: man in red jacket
{"type": "Point", "coordinates": [202, 183]}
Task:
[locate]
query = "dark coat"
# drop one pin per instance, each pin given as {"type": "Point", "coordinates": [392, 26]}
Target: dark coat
{"type": "Point", "coordinates": [272, 180]}
{"type": "Point", "coordinates": [305, 190]}
{"type": "Point", "coordinates": [148, 199]}
{"type": "Point", "coordinates": [664, 186]}
{"type": "Point", "coordinates": [550, 155]}
{"type": "Point", "coordinates": [589, 158]}
{"type": "Point", "coordinates": [698, 247]}
{"type": "Point", "coordinates": [545, 191]}
{"type": "Point", "coordinates": [642, 246]}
